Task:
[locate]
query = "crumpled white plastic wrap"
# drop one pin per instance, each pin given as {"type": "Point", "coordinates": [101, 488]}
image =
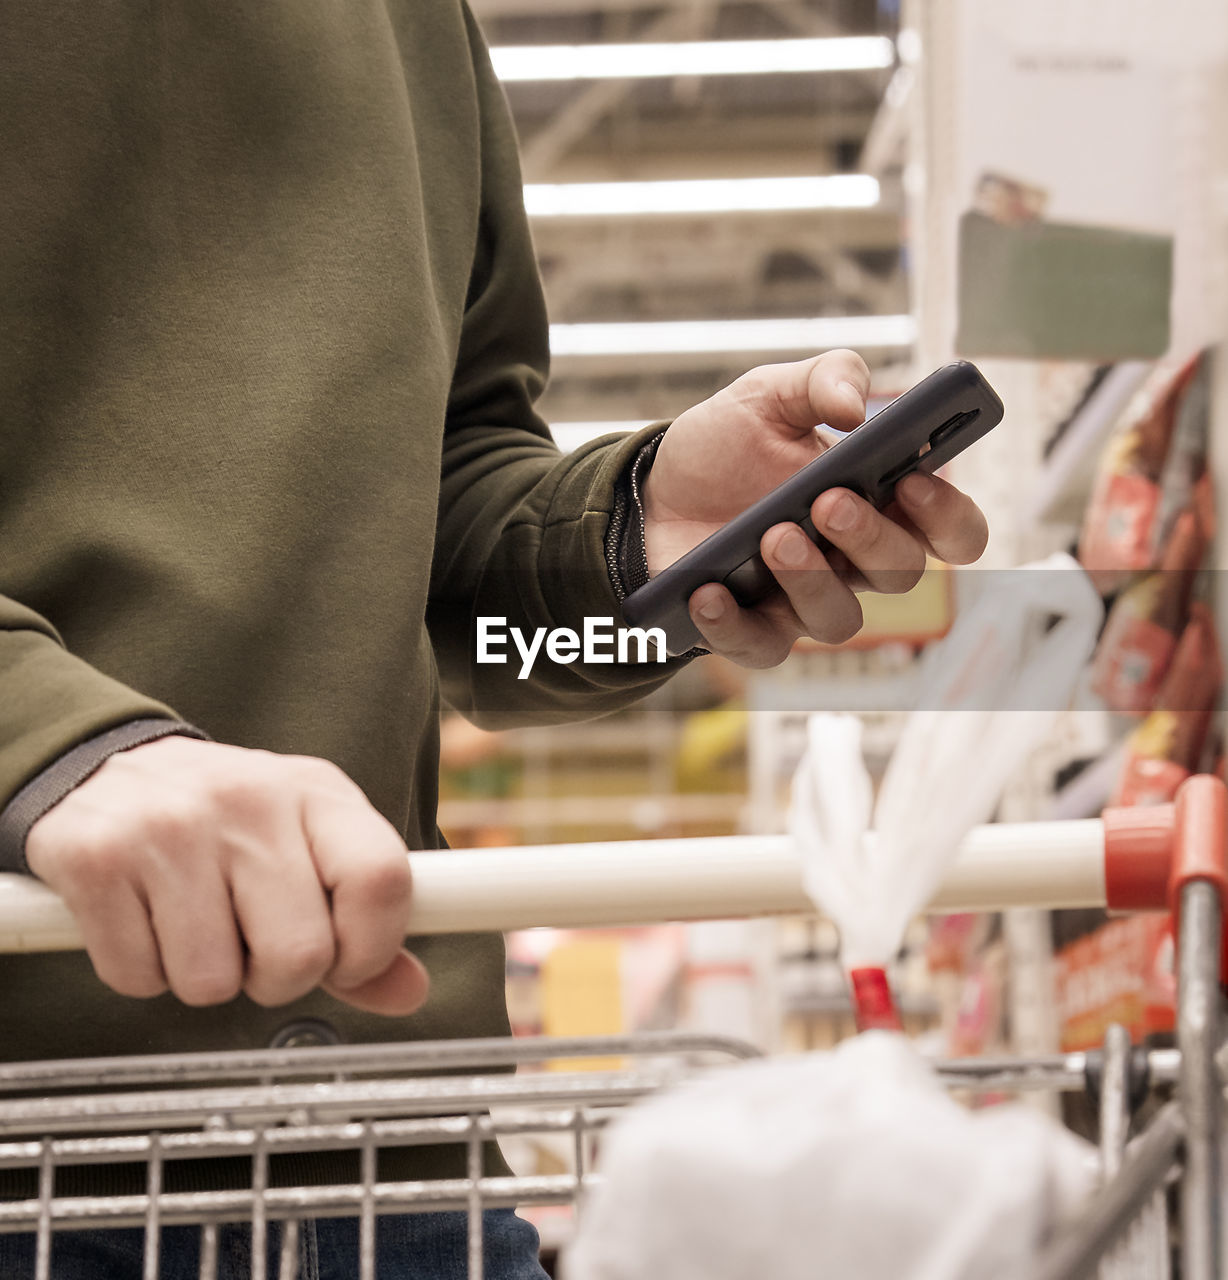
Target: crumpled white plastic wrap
{"type": "Point", "coordinates": [847, 1165]}
{"type": "Point", "coordinates": [992, 690]}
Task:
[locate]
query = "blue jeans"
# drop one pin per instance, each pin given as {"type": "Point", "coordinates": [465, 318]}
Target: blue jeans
{"type": "Point", "coordinates": [427, 1246]}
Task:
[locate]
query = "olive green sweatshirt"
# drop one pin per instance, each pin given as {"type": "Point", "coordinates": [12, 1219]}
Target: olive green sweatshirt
{"type": "Point", "coordinates": [270, 339]}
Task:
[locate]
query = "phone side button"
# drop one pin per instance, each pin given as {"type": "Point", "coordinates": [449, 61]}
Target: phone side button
{"type": "Point", "coordinates": [750, 581]}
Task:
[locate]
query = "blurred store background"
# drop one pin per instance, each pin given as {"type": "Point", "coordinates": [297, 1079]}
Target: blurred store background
{"type": "Point", "coordinates": [1042, 188]}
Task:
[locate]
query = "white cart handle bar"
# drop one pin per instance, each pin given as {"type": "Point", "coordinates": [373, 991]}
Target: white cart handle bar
{"type": "Point", "coordinates": [1123, 860]}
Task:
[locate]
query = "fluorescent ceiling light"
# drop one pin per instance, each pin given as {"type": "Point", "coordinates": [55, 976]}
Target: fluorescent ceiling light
{"type": "Point", "coordinates": [703, 195]}
{"type": "Point", "coordinates": [819, 333]}
{"type": "Point", "coordinates": [694, 58]}
{"type": "Point", "coordinates": [571, 435]}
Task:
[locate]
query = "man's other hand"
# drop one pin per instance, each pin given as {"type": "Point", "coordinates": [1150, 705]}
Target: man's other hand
{"type": "Point", "coordinates": [209, 870]}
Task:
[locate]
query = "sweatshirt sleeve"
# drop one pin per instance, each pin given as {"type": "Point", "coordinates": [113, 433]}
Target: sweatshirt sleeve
{"type": "Point", "coordinates": [522, 529]}
{"type": "Point", "coordinates": [50, 703]}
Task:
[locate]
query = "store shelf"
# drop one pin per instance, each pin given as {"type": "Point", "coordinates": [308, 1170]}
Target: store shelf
{"type": "Point", "coordinates": [822, 1004]}
{"type": "Point", "coordinates": [642, 812]}
{"type": "Point", "coordinates": [1061, 490]}
{"type": "Point", "coordinates": [636, 736]}
{"type": "Point", "coordinates": [1088, 793]}
{"type": "Point", "coordinates": [862, 694]}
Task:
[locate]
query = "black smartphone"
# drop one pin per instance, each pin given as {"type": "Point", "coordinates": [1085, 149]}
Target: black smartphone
{"type": "Point", "coordinates": [918, 431]}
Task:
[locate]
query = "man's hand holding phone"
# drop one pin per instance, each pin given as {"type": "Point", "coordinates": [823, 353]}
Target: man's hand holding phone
{"type": "Point", "coordinates": [721, 456]}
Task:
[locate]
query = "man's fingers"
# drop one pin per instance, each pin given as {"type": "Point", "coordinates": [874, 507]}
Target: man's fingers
{"type": "Point", "coordinates": [364, 865]}
{"type": "Point", "coordinates": [117, 935]}
{"type": "Point", "coordinates": [887, 557]}
{"type": "Point", "coordinates": [198, 939]}
{"type": "Point", "coordinates": [951, 525]}
{"type": "Point", "coordinates": [830, 388]}
{"type": "Point", "coordinates": [815, 602]}
{"type": "Point", "coordinates": [837, 387]}
{"type": "Point", "coordinates": [761, 637]}
{"type": "Point", "coordinates": [401, 989]}
{"type": "Point", "coordinates": [825, 606]}
{"type": "Point", "coordinates": [284, 916]}
{"type": "Point", "coordinates": [83, 852]}
{"type": "Point", "coordinates": [210, 870]}
{"type": "Point", "coordinates": [819, 600]}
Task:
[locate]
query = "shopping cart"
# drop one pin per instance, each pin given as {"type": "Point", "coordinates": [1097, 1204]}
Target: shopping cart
{"type": "Point", "coordinates": [147, 1112]}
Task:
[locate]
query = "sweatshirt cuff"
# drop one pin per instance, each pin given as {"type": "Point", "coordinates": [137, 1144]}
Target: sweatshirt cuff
{"type": "Point", "coordinates": [625, 553]}
{"type": "Point", "coordinates": [48, 788]}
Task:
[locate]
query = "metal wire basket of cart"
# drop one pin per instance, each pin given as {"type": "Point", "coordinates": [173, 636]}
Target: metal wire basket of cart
{"type": "Point", "coordinates": [149, 1112]}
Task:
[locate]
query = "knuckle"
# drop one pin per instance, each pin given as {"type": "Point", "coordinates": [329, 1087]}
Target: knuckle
{"type": "Point", "coordinates": [323, 775]}
{"type": "Point", "coordinates": [383, 881]}
{"type": "Point", "coordinates": [176, 818]}
{"type": "Point", "coordinates": [303, 961]}
{"type": "Point", "coordinates": [851, 361]}
{"type": "Point", "coordinates": [761, 656]}
{"type": "Point", "coordinates": [842, 365]}
{"type": "Point", "coordinates": [775, 655]}
{"type": "Point", "coordinates": [95, 859]}
{"type": "Point", "coordinates": [204, 987]}
{"type": "Point", "coordinates": [323, 769]}
{"type": "Point", "coordinates": [272, 985]}
{"type": "Point", "coordinates": [238, 791]}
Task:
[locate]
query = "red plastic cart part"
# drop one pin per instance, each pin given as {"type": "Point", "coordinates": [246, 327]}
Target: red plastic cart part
{"type": "Point", "coordinates": [1200, 837]}
{"type": "Point", "coordinates": [1138, 857]}
{"type": "Point", "coordinates": [873, 1006]}
{"type": "Point", "coordinates": [1151, 853]}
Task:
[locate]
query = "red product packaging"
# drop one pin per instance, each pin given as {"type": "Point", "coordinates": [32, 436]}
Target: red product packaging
{"type": "Point", "coordinates": [1140, 637]}
{"type": "Point", "coordinates": [1119, 524]}
{"type": "Point", "coordinates": [1119, 530]}
{"type": "Point", "coordinates": [1146, 780]}
{"type": "Point", "coordinates": [954, 941]}
{"type": "Point", "coordinates": [979, 1013]}
{"type": "Point", "coordinates": [1120, 973]}
{"type": "Point", "coordinates": [1168, 746]}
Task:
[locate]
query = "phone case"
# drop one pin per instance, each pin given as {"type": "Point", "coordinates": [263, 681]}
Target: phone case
{"type": "Point", "coordinates": [918, 431]}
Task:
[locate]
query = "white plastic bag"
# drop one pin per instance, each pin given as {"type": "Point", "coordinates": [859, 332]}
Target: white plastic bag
{"type": "Point", "coordinates": [991, 692]}
{"type": "Point", "coordinates": [848, 1165]}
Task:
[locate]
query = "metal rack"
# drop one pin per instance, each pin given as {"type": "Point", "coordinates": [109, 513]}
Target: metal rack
{"type": "Point", "coordinates": [149, 1112]}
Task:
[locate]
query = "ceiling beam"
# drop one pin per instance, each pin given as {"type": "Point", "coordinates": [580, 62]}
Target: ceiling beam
{"type": "Point", "coordinates": [566, 8]}
{"type": "Point", "coordinates": [662, 362]}
{"type": "Point", "coordinates": [737, 234]}
{"type": "Point", "coordinates": [541, 152]}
